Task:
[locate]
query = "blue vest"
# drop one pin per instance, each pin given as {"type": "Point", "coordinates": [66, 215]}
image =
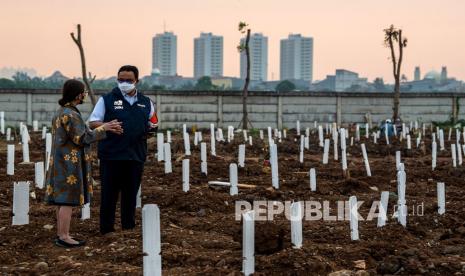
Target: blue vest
{"type": "Point", "coordinates": [132, 144]}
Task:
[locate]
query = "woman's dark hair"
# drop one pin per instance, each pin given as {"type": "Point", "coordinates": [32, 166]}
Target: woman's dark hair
{"type": "Point", "coordinates": [71, 89]}
{"type": "Point", "coordinates": [130, 68]}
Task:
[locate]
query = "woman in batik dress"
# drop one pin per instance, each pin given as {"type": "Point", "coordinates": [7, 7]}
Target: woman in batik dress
{"type": "Point", "coordinates": [69, 179]}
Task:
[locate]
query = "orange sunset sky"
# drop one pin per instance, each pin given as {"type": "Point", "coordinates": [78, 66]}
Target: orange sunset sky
{"type": "Point", "coordinates": [347, 33]}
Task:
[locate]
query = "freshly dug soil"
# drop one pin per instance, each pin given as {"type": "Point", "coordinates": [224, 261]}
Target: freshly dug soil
{"type": "Point", "coordinates": [200, 235]}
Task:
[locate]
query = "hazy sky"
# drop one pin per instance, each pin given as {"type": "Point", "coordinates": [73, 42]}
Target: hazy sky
{"type": "Point", "coordinates": [347, 33]}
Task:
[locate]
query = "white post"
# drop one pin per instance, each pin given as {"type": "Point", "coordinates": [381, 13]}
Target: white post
{"type": "Point", "coordinates": [187, 143]}
{"type": "Point", "coordinates": [250, 141]}
{"type": "Point", "coordinates": [203, 157]}
{"type": "Point", "coordinates": [357, 132]}
{"type": "Point", "coordinates": [326, 151]}
{"type": "Point", "coordinates": [320, 135]}
{"type": "Point", "coordinates": [139, 197]}
{"type": "Point", "coordinates": [248, 243]}
{"type": "Point", "coordinates": [274, 166]}
{"type": "Point", "coordinates": [298, 128]}
{"type": "Point", "coordinates": [168, 136]}
{"type": "Point", "coordinates": [241, 155]}
{"type": "Point", "coordinates": [344, 160]}
{"type": "Point", "coordinates": [365, 159]}
{"type": "Point", "coordinates": [35, 126]}
{"type": "Point", "coordinates": [441, 139]}
{"type": "Point", "coordinates": [343, 139]}
{"type": "Point", "coordinates": [306, 142]}
{"type": "Point", "coordinates": [44, 132]}
{"type": "Point", "coordinates": [409, 142]}
{"type": "Point", "coordinates": [20, 203]}
{"type": "Point", "coordinates": [386, 135]}
{"type": "Point", "coordinates": [459, 153]}
{"type": "Point", "coordinates": [397, 159]}
{"type": "Point", "coordinates": [196, 138]}
{"type": "Point", "coordinates": [367, 131]}
{"type": "Point", "coordinates": [296, 224]}
{"type": "Point", "coordinates": [85, 211]}
{"type": "Point", "coordinates": [261, 134]}
{"type": "Point", "coordinates": [39, 174]}
{"type": "Point", "coordinates": [351, 141]}
{"type": "Point", "coordinates": [184, 129]}
{"type": "Point", "coordinates": [160, 146]}
{"type": "Point", "coordinates": [454, 157]}
{"type": "Point", "coordinates": [2, 122]}
{"type": "Point", "coordinates": [301, 154]}
{"type": "Point", "coordinates": [244, 132]}
{"type": "Point", "coordinates": [185, 175]}
{"type": "Point", "coordinates": [233, 179]}
{"type": "Point", "coordinates": [8, 134]}
{"type": "Point", "coordinates": [433, 155]}
{"type": "Point", "coordinates": [441, 198]}
{"type": "Point", "coordinates": [48, 150]}
{"type": "Point", "coordinates": [270, 136]}
{"type": "Point", "coordinates": [25, 144]}
{"type": "Point", "coordinates": [212, 139]}
{"type": "Point", "coordinates": [312, 179]}
{"type": "Point", "coordinates": [10, 167]}
{"type": "Point", "coordinates": [402, 207]}
{"type": "Point", "coordinates": [151, 242]}
{"type": "Point", "coordinates": [167, 154]}
{"type": "Point", "coordinates": [382, 217]}
{"type": "Point", "coordinates": [353, 216]}
{"type": "Point", "coordinates": [285, 133]}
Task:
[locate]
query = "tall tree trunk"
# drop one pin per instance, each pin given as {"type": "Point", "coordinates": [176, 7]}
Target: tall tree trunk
{"type": "Point", "coordinates": [86, 80]}
{"type": "Point", "coordinates": [245, 92]}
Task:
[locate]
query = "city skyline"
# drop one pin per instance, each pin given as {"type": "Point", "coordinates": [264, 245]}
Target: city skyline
{"type": "Point", "coordinates": [347, 35]}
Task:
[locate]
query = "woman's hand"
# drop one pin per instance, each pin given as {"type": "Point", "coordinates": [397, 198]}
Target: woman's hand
{"type": "Point", "coordinates": [113, 126]}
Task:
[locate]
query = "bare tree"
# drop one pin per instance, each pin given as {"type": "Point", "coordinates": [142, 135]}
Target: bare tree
{"type": "Point", "coordinates": [88, 80]}
{"type": "Point", "coordinates": [244, 47]}
{"type": "Point", "coordinates": [391, 36]}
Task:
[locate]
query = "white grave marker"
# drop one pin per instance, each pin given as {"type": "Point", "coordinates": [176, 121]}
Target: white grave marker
{"type": "Point", "coordinates": [233, 179]}
{"type": "Point", "coordinates": [353, 216]}
{"type": "Point", "coordinates": [151, 242]}
{"type": "Point", "coordinates": [185, 175]}
{"type": "Point", "coordinates": [20, 203]}
{"type": "Point", "coordinates": [39, 174]}
{"type": "Point", "coordinates": [441, 198]}
{"type": "Point", "coordinates": [296, 224]}
{"type": "Point", "coordinates": [248, 243]}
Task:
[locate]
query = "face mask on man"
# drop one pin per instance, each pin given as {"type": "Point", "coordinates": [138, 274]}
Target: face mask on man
{"type": "Point", "coordinates": [126, 87]}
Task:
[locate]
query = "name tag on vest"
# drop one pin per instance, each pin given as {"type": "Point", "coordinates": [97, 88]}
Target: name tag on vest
{"type": "Point", "coordinates": [118, 104]}
{"type": "Point", "coordinates": [141, 105]}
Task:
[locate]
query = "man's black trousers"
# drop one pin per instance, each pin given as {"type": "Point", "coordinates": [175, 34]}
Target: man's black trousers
{"type": "Point", "coordinates": [119, 177]}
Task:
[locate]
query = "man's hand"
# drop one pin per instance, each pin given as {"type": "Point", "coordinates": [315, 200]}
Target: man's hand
{"type": "Point", "coordinates": [113, 126]}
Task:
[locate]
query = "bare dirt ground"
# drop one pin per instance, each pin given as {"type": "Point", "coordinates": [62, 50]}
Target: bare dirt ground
{"type": "Point", "coordinates": [200, 235]}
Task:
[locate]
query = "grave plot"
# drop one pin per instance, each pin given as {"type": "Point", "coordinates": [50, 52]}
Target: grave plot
{"type": "Point", "coordinates": [194, 199]}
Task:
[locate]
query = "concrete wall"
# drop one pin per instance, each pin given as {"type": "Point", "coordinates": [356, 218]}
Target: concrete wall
{"type": "Point", "coordinates": [265, 108]}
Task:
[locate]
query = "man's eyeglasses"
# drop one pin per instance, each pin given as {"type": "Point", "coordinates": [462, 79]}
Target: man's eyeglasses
{"type": "Point", "coordinates": [126, 80]}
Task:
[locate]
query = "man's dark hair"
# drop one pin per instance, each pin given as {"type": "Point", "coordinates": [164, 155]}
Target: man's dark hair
{"type": "Point", "coordinates": [130, 68]}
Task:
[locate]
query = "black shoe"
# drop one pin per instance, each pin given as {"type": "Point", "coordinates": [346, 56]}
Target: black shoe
{"type": "Point", "coordinates": [62, 243]}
